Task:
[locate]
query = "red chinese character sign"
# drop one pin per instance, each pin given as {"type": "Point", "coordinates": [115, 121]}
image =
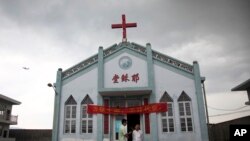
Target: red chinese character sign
{"type": "Point", "coordinates": [125, 71]}
{"type": "Point", "coordinates": [135, 77]}
{"type": "Point", "coordinates": [150, 108]}
{"type": "Point", "coordinates": [125, 78]}
{"type": "Point", "coordinates": [115, 78]}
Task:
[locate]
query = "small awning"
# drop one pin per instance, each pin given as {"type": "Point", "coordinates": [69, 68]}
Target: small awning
{"type": "Point", "coordinates": [243, 86]}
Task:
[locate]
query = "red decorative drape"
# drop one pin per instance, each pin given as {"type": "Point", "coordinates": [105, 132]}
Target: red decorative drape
{"type": "Point", "coordinates": [146, 108]}
{"type": "Point", "coordinates": [146, 118]}
{"type": "Point", "coordinates": [106, 118]}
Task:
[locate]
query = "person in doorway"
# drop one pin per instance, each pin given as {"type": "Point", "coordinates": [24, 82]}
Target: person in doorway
{"type": "Point", "coordinates": [123, 135]}
{"type": "Point", "coordinates": [137, 133]}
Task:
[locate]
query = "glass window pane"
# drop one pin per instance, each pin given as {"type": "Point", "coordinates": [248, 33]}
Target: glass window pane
{"type": "Point", "coordinates": [171, 125]}
{"type": "Point", "coordinates": [73, 111]}
{"type": "Point", "coordinates": [84, 111]}
{"type": "Point", "coordinates": [170, 109]}
{"type": "Point", "coordinates": [183, 124]}
{"type": "Point", "coordinates": [73, 126]}
{"type": "Point", "coordinates": [188, 110]}
{"type": "Point", "coordinates": [171, 122]}
{"type": "Point", "coordinates": [164, 125]}
{"type": "Point", "coordinates": [165, 130]}
{"type": "Point", "coordinates": [183, 128]}
{"type": "Point", "coordinates": [67, 111]}
{"type": "Point", "coordinates": [181, 109]}
{"type": "Point", "coordinates": [189, 124]}
{"type": "Point", "coordinates": [84, 126]}
{"type": "Point", "coordinates": [90, 126]}
{"type": "Point", "coordinates": [66, 128]}
{"type": "Point", "coordinates": [190, 128]}
{"type": "Point", "coordinates": [90, 115]}
{"type": "Point", "coordinates": [163, 114]}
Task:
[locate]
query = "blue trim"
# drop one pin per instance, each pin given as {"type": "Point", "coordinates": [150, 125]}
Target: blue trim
{"type": "Point", "coordinates": [152, 99]}
{"type": "Point", "coordinates": [124, 50]}
{"type": "Point", "coordinates": [150, 71]}
{"type": "Point", "coordinates": [57, 102]}
{"type": "Point", "coordinates": [200, 102]}
{"type": "Point", "coordinates": [99, 97]}
{"type": "Point", "coordinates": [75, 69]}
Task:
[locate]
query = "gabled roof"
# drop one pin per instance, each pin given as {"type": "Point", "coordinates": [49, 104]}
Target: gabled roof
{"type": "Point", "coordinates": [183, 97]}
{"type": "Point", "coordinates": [70, 101]}
{"type": "Point", "coordinates": [243, 86]}
{"type": "Point", "coordinates": [10, 100]}
{"type": "Point", "coordinates": [132, 46]}
{"type": "Point", "coordinates": [166, 98]}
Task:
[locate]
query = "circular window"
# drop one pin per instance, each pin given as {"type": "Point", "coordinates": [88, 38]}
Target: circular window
{"type": "Point", "coordinates": [125, 62]}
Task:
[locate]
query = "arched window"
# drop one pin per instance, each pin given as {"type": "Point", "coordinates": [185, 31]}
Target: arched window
{"type": "Point", "coordinates": [70, 115]}
{"type": "Point", "coordinates": [87, 119]}
{"type": "Point", "coordinates": [184, 102]}
{"type": "Point", "coordinates": [167, 118]}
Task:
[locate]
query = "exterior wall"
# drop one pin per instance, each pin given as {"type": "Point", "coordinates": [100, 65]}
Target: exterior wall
{"type": "Point", "coordinates": [157, 76]}
{"type": "Point", "coordinates": [85, 83]}
{"type": "Point", "coordinates": [174, 84]}
{"type": "Point", "coordinates": [111, 67]}
{"type": "Point", "coordinates": [30, 134]}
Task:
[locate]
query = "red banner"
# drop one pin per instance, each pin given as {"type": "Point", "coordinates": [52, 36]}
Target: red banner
{"type": "Point", "coordinates": [150, 108]}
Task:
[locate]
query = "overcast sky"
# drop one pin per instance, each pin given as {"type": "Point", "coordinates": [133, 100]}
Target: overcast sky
{"type": "Point", "coordinates": [45, 35]}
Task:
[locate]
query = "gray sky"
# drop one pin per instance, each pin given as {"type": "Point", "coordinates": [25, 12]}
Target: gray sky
{"type": "Point", "coordinates": [45, 35]}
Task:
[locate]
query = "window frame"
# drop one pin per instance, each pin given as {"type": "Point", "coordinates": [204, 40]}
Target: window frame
{"type": "Point", "coordinates": [69, 119]}
{"type": "Point", "coordinates": [88, 119]}
{"type": "Point", "coordinates": [167, 99]}
{"type": "Point", "coordinates": [167, 118]}
{"type": "Point", "coordinates": [185, 116]}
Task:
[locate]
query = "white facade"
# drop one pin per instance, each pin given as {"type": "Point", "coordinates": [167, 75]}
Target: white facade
{"type": "Point", "coordinates": [174, 84]}
{"type": "Point", "coordinates": [111, 67]}
{"type": "Point", "coordinates": [123, 75]}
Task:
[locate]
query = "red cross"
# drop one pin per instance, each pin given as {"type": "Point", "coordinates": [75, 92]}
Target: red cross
{"type": "Point", "coordinates": [124, 25]}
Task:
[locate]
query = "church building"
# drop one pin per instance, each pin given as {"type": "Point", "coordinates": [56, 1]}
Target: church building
{"type": "Point", "coordinates": [128, 75]}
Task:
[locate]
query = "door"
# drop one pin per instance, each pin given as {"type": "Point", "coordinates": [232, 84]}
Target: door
{"type": "Point", "coordinates": [117, 125]}
{"type": "Point", "coordinates": [132, 120]}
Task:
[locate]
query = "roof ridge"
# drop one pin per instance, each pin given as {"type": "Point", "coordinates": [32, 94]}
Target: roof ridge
{"type": "Point", "coordinates": [133, 46]}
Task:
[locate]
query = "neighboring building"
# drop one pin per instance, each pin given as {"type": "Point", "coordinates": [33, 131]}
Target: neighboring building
{"type": "Point", "coordinates": [125, 75]}
{"type": "Point", "coordinates": [220, 131]}
{"type": "Point", "coordinates": [244, 86]}
{"type": "Point", "coordinates": [6, 119]}
{"type": "Point", "coordinates": [31, 134]}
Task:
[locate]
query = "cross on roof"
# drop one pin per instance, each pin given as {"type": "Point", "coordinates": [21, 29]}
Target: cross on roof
{"type": "Point", "coordinates": [124, 25]}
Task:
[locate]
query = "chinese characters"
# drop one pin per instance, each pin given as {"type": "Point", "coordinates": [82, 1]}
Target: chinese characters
{"type": "Point", "coordinates": [125, 78]}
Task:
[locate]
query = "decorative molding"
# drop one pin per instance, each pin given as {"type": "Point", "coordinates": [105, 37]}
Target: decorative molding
{"type": "Point", "coordinates": [80, 66]}
{"type": "Point", "coordinates": [110, 50]}
{"type": "Point", "coordinates": [133, 46]}
{"type": "Point", "coordinates": [168, 60]}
